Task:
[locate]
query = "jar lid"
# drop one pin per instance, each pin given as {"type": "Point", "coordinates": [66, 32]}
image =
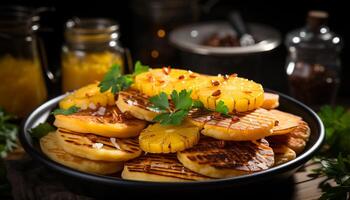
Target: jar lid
{"type": "Point", "coordinates": [91, 30]}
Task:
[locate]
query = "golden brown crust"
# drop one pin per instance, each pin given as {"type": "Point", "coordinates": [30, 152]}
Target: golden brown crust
{"type": "Point", "coordinates": [110, 123]}
{"type": "Point", "coordinates": [220, 159]}
{"type": "Point", "coordinates": [159, 167]}
{"type": "Point", "coordinates": [112, 149]}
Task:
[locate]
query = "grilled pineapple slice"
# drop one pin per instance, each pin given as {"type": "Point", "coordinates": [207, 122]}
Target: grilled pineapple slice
{"type": "Point", "coordinates": [222, 159]}
{"type": "Point", "coordinates": [241, 127]}
{"type": "Point", "coordinates": [108, 122]}
{"type": "Point", "coordinates": [166, 80]}
{"type": "Point", "coordinates": [271, 101]}
{"type": "Point", "coordinates": [110, 149]}
{"type": "Point", "coordinates": [137, 104]}
{"type": "Point", "coordinates": [238, 94]}
{"type": "Point", "coordinates": [159, 168]}
{"type": "Point", "coordinates": [49, 145]}
{"type": "Point", "coordinates": [157, 138]}
{"type": "Point", "coordinates": [286, 122]}
{"type": "Point", "coordinates": [88, 96]}
{"type": "Point", "coordinates": [158, 80]}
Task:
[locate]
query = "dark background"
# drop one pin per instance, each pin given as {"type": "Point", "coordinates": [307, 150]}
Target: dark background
{"type": "Point", "coordinates": [283, 15]}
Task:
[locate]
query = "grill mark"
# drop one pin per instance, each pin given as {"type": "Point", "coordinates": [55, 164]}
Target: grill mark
{"type": "Point", "coordinates": [165, 165]}
{"type": "Point", "coordinates": [243, 156]}
{"type": "Point", "coordinates": [126, 145]}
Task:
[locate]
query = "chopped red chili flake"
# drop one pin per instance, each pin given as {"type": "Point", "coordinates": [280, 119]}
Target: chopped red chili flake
{"type": "Point", "coordinates": [181, 77]}
{"type": "Point", "coordinates": [234, 75]}
{"type": "Point", "coordinates": [216, 93]}
{"type": "Point", "coordinates": [161, 81]}
{"type": "Point", "coordinates": [247, 92]}
{"type": "Point", "coordinates": [193, 75]}
{"type": "Point", "coordinates": [276, 123]}
{"type": "Point", "coordinates": [166, 70]}
{"type": "Point", "coordinates": [226, 76]}
{"type": "Point", "coordinates": [235, 119]}
{"type": "Point", "coordinates": [215, 82]}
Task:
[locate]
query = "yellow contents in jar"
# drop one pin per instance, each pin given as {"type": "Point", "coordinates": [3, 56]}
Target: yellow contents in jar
{"type": "Point", "coordinates": [22, 85]}
{"type": "Point", "coordinates": [80, 70]}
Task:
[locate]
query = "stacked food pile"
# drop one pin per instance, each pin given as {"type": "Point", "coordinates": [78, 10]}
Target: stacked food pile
{"type": "Point", "coordinates": [173, 125]}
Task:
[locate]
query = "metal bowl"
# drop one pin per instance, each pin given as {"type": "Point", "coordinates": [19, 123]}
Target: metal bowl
{"type": "Point", "coordinates": [246, 61]}
{"type": "Point", "coordinates": [99, 185]}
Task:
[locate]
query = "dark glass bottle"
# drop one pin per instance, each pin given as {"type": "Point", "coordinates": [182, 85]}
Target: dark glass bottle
{"type": "Point", "coordinates": [313, 64]}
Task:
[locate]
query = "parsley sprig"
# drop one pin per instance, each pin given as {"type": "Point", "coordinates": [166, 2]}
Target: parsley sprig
{"type": "Point", "coordinates": [221, 108]}
{"type": "Point", "coordinates": [41, 130]}
{"type": "Point", "coordinates": [337, 125]}
{"type": "Point", "coordinates": [8, 133]}
{"type": "Point", "coordinates": [69, 111]}
{"type": "Point", "coordinates": [173, 115]}
{"type": "Point", "coordinates": [333, 164]}
{"type": "Point", "coordinates": [115, 81]}
{"type": "Point", "coordinates": [337, 170]}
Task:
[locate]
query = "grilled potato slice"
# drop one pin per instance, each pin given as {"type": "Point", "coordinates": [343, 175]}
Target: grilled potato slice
{"type": "Point", "coordinates": [222, 159]}
{"type": "Point", "coordinates": [238, 94]}
{"type": "Point", "coordinates": [110, 123]}
{"type": "Point", "coordinates": [282, 153]}
{"type": "Point", "coordinates": [295, 140]}
{"type": "Point", "coordinates": [242, 127]}
{"type": "Point", "coordinates": [111, 149]}
{"type": "Point", "coordinates": [88, 96]}
{"type": "Point", "coordinates": [286, 122]}
{"type": "Point", "coordinates": [137, 104]}
{"type": "Point", "coordinates": [159, 168]}
{"type": "Point", "coordinates": [53, 150]}
{"type": "Point", "coordinates": [271, 101]}
{"type": "Point", "coordinates": [157, 138]}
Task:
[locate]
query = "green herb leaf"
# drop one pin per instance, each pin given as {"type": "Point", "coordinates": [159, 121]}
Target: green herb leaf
{"type": "Point", "coordinates": [140, 68]}
{"type": "Point", "coordinates": [337, 125]}
{"type": "Point", "coordinates": [110, 80]}
{"type": "Point", "coordinates": [41, 130]}
{"type": "Point", "coordinates": [338, 170]}
{"type": "Point", "coordinates": [221, 108]}
{"type": "Point", "coordinates": [197, 104]}
{"type": "Point", "coordinates": [182, 100]}
{"type": "Point", "coordinates": [160, 102]}
{"type": "Point", "coordinates": [8, 133]}
{"type": "Point", "coordinates": [69, 111]}
{"type": "Point", "coordinates": [174, 118]}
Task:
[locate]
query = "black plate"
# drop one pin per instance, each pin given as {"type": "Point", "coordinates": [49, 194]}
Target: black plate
{"type": "Point", "coordinates": [109, 184]}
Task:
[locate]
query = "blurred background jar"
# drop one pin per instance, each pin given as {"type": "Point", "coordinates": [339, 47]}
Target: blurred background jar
{"type": "Point", "coordinates": [22, 85]}
{"type": "Point", "coordinates": [313, 65]}
{"type": "Point", "coordinates": [154, 19]}
{"type": "Point", "coordinates": [91, 47]}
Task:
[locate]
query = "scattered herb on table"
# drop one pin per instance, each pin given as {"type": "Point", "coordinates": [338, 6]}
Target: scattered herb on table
{"type": "Point", "coordinates": [333, 165]}
{"type": "Point", "coordinates": [8, 133]}
{"type": "Point", "coordinates": [69, 111]}
{"type": "Point", "coordinates": [337, 170]}
{"type": "Point", "coordinates": [41, 130]}
{"type": "Point", "coordinates": [337, 125]}
{"type": "Point", "coordinates": [115, 81]}
{"type": "Point", "coordinates": [173, 115]}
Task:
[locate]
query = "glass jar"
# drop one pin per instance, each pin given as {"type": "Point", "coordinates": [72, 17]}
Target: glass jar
{"type": "Point", "coordinates": [92, 47]}
{"type": "Point", "coordinates": [22, 85]}
{"type": "Point", "coordinates": [313, 65]}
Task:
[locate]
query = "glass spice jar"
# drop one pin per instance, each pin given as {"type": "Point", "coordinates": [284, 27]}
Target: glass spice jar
{"type": "Point", "coordinates": [92, 47]}
{"type": "Point", "coordinates": [313, 64]}
{"type": "Point", "coordinates": [22, 86]}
